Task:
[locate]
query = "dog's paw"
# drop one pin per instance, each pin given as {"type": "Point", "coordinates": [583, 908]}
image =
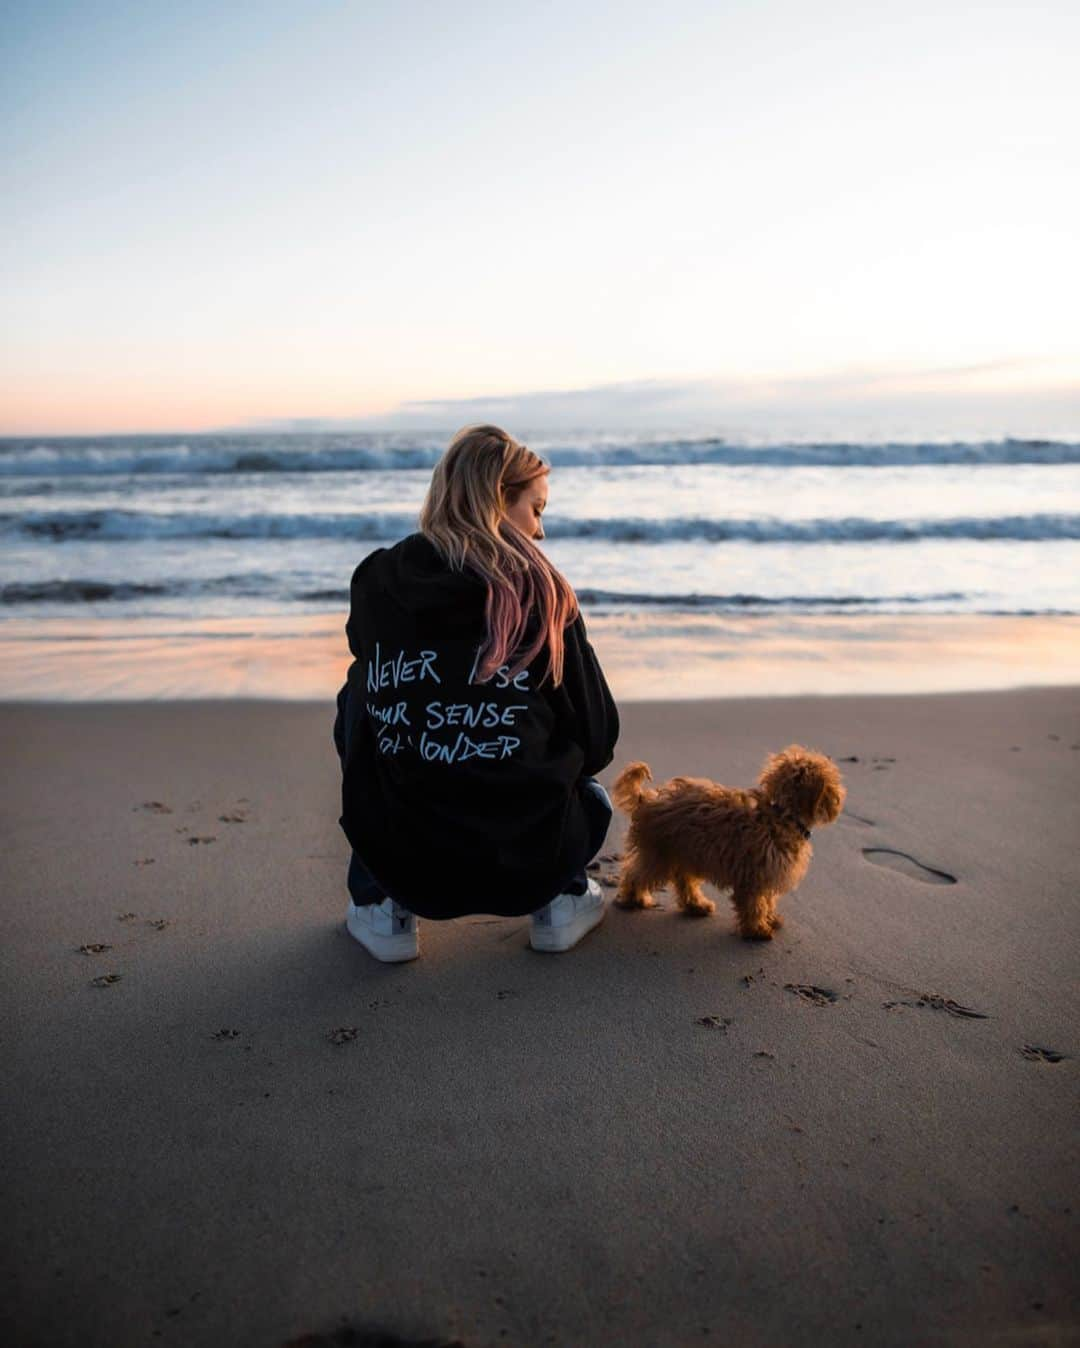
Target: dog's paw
{"type": "Point", "coordinates": [756, 934]}
{"type": "Point", "coordinates": [634, 901]}
{"type": "Point", "coordinates": [699, 908]}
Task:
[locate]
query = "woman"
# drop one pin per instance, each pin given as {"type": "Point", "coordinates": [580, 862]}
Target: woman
{"type": "Point", "coordinates": [473, 716]}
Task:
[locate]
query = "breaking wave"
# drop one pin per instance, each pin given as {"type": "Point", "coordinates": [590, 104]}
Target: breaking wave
{"type": "Point", "coordinates": [331, 453]}
{"type": "Point", "coordinates": [388, 527]}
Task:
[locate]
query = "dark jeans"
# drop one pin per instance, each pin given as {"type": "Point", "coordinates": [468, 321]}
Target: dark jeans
{"type": "Point", "coordinates": [363, 888]}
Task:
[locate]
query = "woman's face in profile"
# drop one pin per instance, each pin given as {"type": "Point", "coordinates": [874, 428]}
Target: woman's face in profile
{"type": "Point", "coordinates": [528, 509]}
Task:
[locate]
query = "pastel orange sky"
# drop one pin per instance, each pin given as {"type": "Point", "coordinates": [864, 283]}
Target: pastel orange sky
{"type": "Point", "coordinates": [771, 216]}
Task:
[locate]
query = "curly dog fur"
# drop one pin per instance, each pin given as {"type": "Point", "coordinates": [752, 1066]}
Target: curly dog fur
{"type": "Point", "coordinates": [691, 829]}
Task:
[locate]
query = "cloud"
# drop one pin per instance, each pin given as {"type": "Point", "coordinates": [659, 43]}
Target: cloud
{"type": "Point", "coordinates": [841, 397]}
{"type": "Point", "coordinates": [979, 400]}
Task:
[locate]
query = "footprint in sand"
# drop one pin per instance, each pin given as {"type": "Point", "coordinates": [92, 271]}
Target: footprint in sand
{"type": "Point", "coordinates": [343, 1034]}
{"type": "Point", "coordinates": [373, 1336]}
{"type": "Point", "coordinates": [893, 860]}
{"type": "Point", "coordinates": [196, 839]}
{"type": "Point", "coordinates": [103, 980]}
{"type": "Point", "coordinates": [879, 759]}
{"type": "Point", "coordinates": [94, 948]}
{"type": "Point", "coordinates": [938, 1003]}
{"type": "Point", "coordinates": [714, 1022]}
{"type": "Point", "coordinates": [809, 993]}
{"type": "Point", "coordinates": [1036, 1054]}
{"type": "Point", "coordinates": [158, 923]}
{"type": "Point", "coordinates": [126, 917]}
{"type": "Point", "coordinates": [225, 1034]}
{"type": "Point", "coordinates": [153, 807]}
{"type": "Point", "coordinates": [235, 818]}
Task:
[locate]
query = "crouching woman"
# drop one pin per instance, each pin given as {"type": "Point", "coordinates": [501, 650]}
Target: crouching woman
{"type": "Point", "coordinates": [474, 717]}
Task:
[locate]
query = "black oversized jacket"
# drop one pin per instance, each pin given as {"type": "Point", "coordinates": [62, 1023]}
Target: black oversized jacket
{"type": "Point", "coordinates": [461, 797]}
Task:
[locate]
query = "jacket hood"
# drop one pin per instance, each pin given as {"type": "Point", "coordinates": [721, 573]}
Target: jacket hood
{"type": "Point", "coordinates": [413, 576]}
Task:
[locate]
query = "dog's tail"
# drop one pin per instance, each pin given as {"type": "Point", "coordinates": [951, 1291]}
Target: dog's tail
{"type": "Point", "coordinates": [627, 788]}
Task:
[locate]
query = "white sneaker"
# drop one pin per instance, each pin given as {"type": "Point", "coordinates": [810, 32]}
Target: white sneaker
{"type": "Point", "coordinates": [561, 924]}
{"type": "Point", "coordinates": [385, 930]}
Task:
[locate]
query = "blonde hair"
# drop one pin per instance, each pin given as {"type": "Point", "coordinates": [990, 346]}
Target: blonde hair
{"type": "Point", "coordinates": [483, 471]}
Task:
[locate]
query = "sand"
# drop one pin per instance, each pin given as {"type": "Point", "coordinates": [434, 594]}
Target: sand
{"type": "Point", "coordinates": [860, 1133]}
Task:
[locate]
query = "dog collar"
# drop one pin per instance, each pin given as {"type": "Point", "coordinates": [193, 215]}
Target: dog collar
{"type": "Point", "coordinates": [784, 814]}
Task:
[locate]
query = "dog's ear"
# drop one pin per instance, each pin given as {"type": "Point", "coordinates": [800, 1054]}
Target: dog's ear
{"type": "Point", "coordinates": [831, 796]}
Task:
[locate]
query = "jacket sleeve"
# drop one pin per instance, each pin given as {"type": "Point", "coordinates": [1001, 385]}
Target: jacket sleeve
{"type": "Point", "coordinates": [352, 625]}
{"type": "Point", "coordinates": [350, 703]}
{"type": "Point", "coordinates": [350, 712]}
{"type": "Point", "coordinates": [594, 718]}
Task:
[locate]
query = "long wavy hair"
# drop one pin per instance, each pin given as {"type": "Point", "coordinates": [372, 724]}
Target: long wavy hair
{"type": "Point", "coordinates": [482, 473]}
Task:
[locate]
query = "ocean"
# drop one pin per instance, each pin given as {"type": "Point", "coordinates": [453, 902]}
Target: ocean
{"type": "Point", "coordinates": [265, 525]}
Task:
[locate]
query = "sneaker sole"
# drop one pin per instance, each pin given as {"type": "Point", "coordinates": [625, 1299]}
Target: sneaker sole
{"type": "Point", "coordinates": [554, 940]}
{"type": "Point", "coordinates": [387, 949]}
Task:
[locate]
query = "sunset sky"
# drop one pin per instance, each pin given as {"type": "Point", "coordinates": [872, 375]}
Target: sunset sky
{"type": "Point", "coordinates": [796, 216]}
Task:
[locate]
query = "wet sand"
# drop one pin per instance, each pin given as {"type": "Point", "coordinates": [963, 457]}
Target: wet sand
{"type": "Point", "coordinates": [647, 654]}
{"type": "Point", "coordinates": [225, 1123]}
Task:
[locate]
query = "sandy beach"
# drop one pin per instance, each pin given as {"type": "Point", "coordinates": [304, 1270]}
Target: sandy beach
{"type": "Point", "coordinates": [226, 1124]}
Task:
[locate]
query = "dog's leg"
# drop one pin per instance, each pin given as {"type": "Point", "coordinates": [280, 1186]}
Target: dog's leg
{"type": "Point", "coordinates": [752, 915]}
{"type": "Point", "coordinates": [775, 920]}
{"type": "Point", "coordinates": [690, 898]}
{"type": "Point", "coordinates": [633, 890]}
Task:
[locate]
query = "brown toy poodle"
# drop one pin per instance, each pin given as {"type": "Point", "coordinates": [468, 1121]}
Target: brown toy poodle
{"type": "Point", "coordinates": [756, 842]}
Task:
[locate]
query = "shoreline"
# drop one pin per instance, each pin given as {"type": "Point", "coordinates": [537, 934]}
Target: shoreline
{"type": "Point", "coordinates": [1065, 690]}
{"type": "Point", "coordinates": [646, 656]}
